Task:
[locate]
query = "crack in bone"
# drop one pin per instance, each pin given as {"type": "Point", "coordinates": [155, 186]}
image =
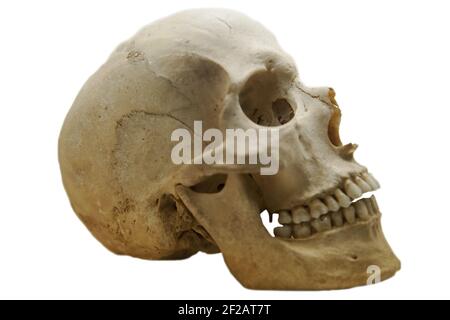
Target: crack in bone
{"type": "Point", "coordinates": [314, 96]}
{"type": "Point", "coordinates": [156, 114]}
{"type": "Point", "coordinates": [225, 23]}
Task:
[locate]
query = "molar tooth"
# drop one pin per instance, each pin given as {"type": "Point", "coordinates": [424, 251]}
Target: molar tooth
{"type": "Point", "coordinates": [337, 219]}
{"type": "Point", "coordinates": [317, 208]}
{"type": "Point", "coordinates": [341, 197]}
{"type": "Point", "coordinates": [351, 189]}
{"type": "Point", "coordinates": [371, 181]}
{"type": "Point", "coordinates": [283, 232]}
{"type": "Point", "coordinates": [373, 200]}
{"type": "Point", "coordinates": [321, 224]}
{"type": "Point", "coordinates": [284, 217]}
{"type": "Point", "coordinates": [364, 186]}
{"type": "Point", "coordinates": [300, 215]}
{"type": "Point", "coordinates": [332, 203]}
{"type": "Point", "coordinates": [349, 214]}
{"type": "Point", "coordinates": [361, 210]}
{"type": "Point", "coordinates": [302, 230]}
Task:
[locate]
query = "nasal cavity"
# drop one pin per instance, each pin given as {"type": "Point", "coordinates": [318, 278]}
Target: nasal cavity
{"type": "Point", "coordinates": [263, 102]}
{"type": "Point", "coordinates": [333, 127]}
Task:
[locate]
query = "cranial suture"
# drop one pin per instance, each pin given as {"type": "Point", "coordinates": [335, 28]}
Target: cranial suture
{"type": "Point", "coordinates": [227, 71]}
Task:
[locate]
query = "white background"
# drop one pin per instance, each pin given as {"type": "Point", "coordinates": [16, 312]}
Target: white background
{"type": "Point", "coordinates": [387, 60]}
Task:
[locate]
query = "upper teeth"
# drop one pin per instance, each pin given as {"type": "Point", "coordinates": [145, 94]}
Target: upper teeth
{"type": "Point", "coordinates": [331, 203]}
{"type": "Point", "coordinates": [373, 183]}
{"type": "Point", "coordinates": [342, 198]}
{"type": "Point", "coordinates": [333, 210]}
{"type": "Point", "coordinates": [317, 208]}
{"type": "Point", "coordinates": [364, 186]}
{"type": "Point", "coordinates": [300, 214]}
{"type": "Point", "coordinates": [352, 190]}
{"type": "Point", "coordinates": [284, 217]}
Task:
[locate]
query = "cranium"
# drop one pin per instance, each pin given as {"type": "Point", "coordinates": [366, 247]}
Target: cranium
{"type": "Point", "coordinates": [228, 71]}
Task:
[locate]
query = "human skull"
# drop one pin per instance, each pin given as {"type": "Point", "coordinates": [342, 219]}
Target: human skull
{"type": "Point", "coordinates": [228, 71]}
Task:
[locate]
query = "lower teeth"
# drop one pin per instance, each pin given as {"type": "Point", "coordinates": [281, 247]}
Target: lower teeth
{"type": "Point", "coordinates": [299, 224]}
{"type": "Point", "coordinates": [283, 232]}
{"type": "Point", "coordinates": [302, 230]}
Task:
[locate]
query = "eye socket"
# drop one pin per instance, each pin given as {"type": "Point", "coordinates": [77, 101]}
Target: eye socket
{"type": "Point", "coordinates": [262, 100]}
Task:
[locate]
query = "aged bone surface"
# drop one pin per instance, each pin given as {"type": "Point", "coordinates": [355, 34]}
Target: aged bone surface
{"type": "Point", "coordinates": [224, 69]}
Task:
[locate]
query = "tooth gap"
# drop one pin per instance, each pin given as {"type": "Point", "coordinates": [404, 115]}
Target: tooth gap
{"type": "Point", "coordinates": [366, 195]}
{"type": "Point", "coordinates": [269, 225]}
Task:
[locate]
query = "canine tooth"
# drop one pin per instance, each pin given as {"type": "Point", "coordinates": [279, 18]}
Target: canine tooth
{"type": "Point", "coordinates": [372, 182]}
{"type": "Point", "coordinates": [284, 217]}
{"type": "Point", "coordinates": [361, 210]}
{"type": "Point", "coordinates": [337, 219]}
{"type": "Point", "coordinates": [300, 215]}
{"type": "Point", "coordinates": [341, 197]}
{"type": "Point", "coordinates": [373, 200]}
{"type": "Point", "coordinates": [369, 206]}
{"type": "Point", "coordinates": [302, 230]}
{"type": "Point", "coordinates": [283, 232]}
{"type": "Point", "coordinates": [317, 208]}
{"type": "Point", "coordinates": [351, 189]}
{"type": "Point", "coordinates": [349, 214]}
{"type": "Point", "coordinates": [364, 186]}
{"type": "Point", "coordinates": [331, 203]}
{"type": "Point", "coordinates": [321, 224]}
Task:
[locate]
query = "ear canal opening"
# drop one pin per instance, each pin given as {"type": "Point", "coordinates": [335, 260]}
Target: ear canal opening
{"type": "Point", "coordinates": [167, 204]}
{"type": "Point", "coordinates": [333, 127]}
{"type": "Point", "coordinates": [212, 184]}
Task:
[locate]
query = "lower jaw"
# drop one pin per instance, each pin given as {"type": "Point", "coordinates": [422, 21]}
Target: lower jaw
{"type": "Point", "coordinates": [338, 259]}
{"type": "Point", "coordinates": [347, 257]}
{"type": "Point", "coordinates": [335, 259]}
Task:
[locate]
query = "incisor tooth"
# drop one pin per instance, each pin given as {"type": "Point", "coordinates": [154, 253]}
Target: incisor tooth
{"type": "Point", "coordinates": [283, 232]}
{"type": "Point", "coordinates": [373, 183]}
{"type": "Point", "coordinates": [341, 197]}
{"type": "Point", "coordinates": [331, 203]}
{"type": "Point", "coordinates": [351, 189]}
{"type": "Point", "coordinates": [317, 208]}
{"type": "Point", "coordinates": [364, 186]}
{"type": "Point", "coordinates": [349, 214]}
{"type": "Point", "coordinates": [321, 224]}
{"type": "Point", "coordinates": [302, 230]}
{"type": "Point", "coordinates": [337, 219]}
{"type": "Point", "coordinates": [284, 217]}
{"type": "Point", "coordinates": [300, 215]}
{"type": "Point", "coordinates": [361, 210]}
